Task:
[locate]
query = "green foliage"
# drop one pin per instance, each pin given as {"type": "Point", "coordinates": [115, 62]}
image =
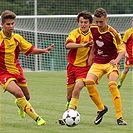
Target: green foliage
{"type": "Point", "coordinates": [66, 7]}
{"type": "Point", "coordinates": [48, 97]}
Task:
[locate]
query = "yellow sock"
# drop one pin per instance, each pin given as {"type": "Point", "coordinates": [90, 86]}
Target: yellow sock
{"type": "Point", "coordinates": [74, 103]}
{"type": "Point", "coordinates": [122, 77]}
{"type": "Point", "coordinates": [93, 93]}
{"type": "Point", "coordinates": [26, 106]}
{"type": "Point", "coordinates": [116, 98]}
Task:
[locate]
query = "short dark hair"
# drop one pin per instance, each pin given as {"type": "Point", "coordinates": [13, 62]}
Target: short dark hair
{"type": "Point", "coordinates": [100, 12]}
{"type": "Point", "coordinates": [85, 15]}
{"type": "Point", "coordinates": [7, 14]}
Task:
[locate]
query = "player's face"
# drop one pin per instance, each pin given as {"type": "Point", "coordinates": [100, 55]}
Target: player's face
{"type": "Point", "coordinates": [8, 27]}
{"type": "Point", "coordinates": [101, 22]}
{"type": "Point", "coordinates": [84, 24]}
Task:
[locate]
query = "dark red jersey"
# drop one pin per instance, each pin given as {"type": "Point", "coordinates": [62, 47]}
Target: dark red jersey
{"type": "Point", "coordinates": [105, 44]}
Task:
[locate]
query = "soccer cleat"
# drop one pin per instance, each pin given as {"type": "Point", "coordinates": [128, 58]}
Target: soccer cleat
{"type": "Point", "coordinates": [119, 85]}
{"type": "Point", "coordinates": [61, 122]}
{"type": "Point", "coordinates": [20, 110]}
{"type": "Point", "coordinates": [40, 121]}
{"type": "Point", "coordinates": [100, 115]}
{"type": "Point", "coordinates": [120, 121]}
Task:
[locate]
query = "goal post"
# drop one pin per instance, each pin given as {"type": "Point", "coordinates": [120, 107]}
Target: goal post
{"type": "Point", "coordinates": [45, 30]}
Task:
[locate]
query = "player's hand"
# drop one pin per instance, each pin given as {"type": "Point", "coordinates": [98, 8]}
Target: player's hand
{"type": "Point", "coordinates": [88, 44]}
{"type": "Point", "coordinates": [47, 50]}
{"type": "Point", "coordinates": [126, 54]}
{"type": "Point", "coordinates": [114, 63]}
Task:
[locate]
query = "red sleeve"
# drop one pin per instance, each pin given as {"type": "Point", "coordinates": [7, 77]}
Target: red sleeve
{"type": "Point", "coordinates": [68, 41]}
{"type": "Point", "coordinates": [29, 51]}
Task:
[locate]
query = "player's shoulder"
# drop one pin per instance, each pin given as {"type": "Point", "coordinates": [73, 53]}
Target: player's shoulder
{"type": "Point", "coordinates": [17, 35]}
{"type": "Point", "coordinates": [93, 25]}
{"type": "Point", "coordinates": [75, 30]}
{"type": "Point", "coordinates": [113, 30]}
{"type": "Point", "coordinates": [128, 31]}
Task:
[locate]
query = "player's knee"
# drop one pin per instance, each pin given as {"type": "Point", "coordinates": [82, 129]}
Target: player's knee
{"type": "Point", "coordinates": [89, 84]}
{"type": "Point", "coordinates": [111, 84]}
{"type": "Point", "coordinates": [114, 73]}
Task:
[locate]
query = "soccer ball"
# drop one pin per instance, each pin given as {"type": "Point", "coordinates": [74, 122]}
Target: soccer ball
{"type": "Point", "coordinates": [71, 117]}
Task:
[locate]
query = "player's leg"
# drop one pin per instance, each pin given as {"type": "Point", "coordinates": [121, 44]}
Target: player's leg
{"type": "Point", "coordinates": [69, 88]}
{"type": "Point", "coordinates": [70, 83]}
{"type": "Point", "coordinates": [25, 90]}
{"type": "Point", "coordinates": [68, 97]}
{"type": "Point", "coordinates": [73, 97]}
{"type": "Point", "coordinates": [75, 94]}
{"type": "Point", "coordinates": [113, 76]}
{"type": "Point", "coordinates": [75, 76]}
{"type": "Point", "coordinates": [127, 65]}
{"type": "Point", "coordinates": [94, 95]}
{"type": "Point", "coordinates": [91, 79]}
{"type": "Point", "coordinates": [123, 76]}
{"type": "Point", "coordinates": [80, 74]}
{"type": "Point", "coordinates": [14, 89]}
{"type": "Point", "coordinates": [20, 110]}
{"type": "Point", "coordinates": [21, 82]}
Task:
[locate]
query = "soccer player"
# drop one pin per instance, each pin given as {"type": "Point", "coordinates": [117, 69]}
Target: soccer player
{"type": "Point", "coordinates": [79, 60]}
{"type": "Point", "coordinates": [108, 51]}
{"type": "Point", "coordinates": [128, 41]}
{"type": "Point", "coordinates": [11, 74]}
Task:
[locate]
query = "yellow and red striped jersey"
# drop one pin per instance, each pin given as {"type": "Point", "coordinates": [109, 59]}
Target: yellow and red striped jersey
{"type": "Point", "coordinates": [9, 52]}
{"type": "Point", "coordinates": [78, 56]}
{"type": "Point", "coordinates": [128, 40]}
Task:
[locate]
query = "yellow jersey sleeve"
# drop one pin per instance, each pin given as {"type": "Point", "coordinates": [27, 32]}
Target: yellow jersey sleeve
{"type": "Point", "coordinates": [24, 45]}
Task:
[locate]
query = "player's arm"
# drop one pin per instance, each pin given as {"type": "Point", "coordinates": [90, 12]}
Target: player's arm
{"type": "Point", "coordinates": [119, 57]}
{"type": "Point", "coordinates": [126, 54]}
{"type": "Point", "coordinates": [120, 49]}
{"type": "Point", "coordinates": [27, 48]}
{"type": "Point", "coordinates": [40, 51]}
{"type": "Point", "coordinates": [72, 45]}
{"type": "Point", "coordinates": [126, 37]}
{"type": "Point", "coordinates": [116, 62]}
{"type": "Point", "coordinates": [91, 56]}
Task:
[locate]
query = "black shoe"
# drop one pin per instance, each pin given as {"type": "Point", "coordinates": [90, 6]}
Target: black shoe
{"type": "Point", "coordinates": [120, 121]}
{"type": "Point", "coordinates": [61, 122]}
{"type": "Point", "coordinates": [100, 115]}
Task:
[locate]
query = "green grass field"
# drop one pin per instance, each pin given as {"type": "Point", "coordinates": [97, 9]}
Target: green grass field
{"type": "Point", "coordinates": [48, 93]}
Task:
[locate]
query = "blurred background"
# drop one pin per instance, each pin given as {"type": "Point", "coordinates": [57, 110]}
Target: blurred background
{"type": "Point", "coordinates": [66, 7]}
{"type": "Point", "coordinates": [44, 22]}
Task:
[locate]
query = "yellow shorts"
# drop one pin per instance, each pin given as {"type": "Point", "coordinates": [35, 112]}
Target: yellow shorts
{"type": "Point", "coordinates": [100, 69]}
